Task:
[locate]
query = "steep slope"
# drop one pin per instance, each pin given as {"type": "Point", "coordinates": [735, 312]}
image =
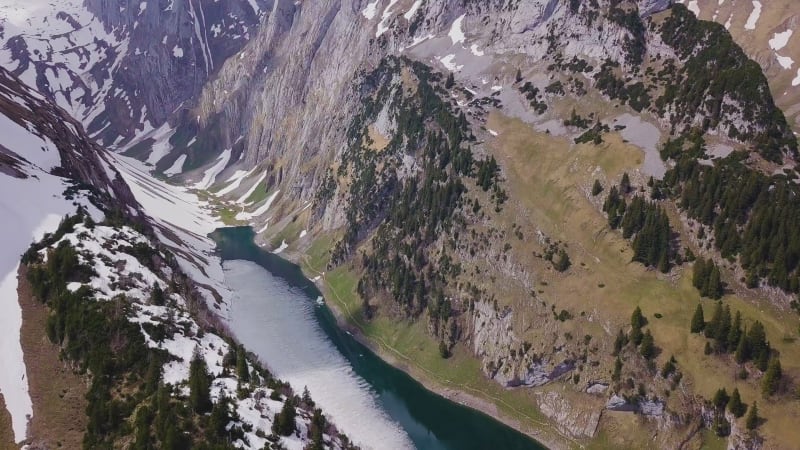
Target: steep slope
{"type": "Point", "coordinates": [161, 375]}
{"type": "Point", "coordinates": [47, 166]}
{"type": "Point", "coordinates": [767, 31]}
{"type": "Point", "coordinates": [450, 203]}
{"type": "Point", "coordinates": [119, 311]}
{"type": "Point", "coordinates": [122, 68]}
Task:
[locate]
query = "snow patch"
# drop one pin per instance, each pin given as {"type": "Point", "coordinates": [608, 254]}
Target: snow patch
{"type": "Point", "coordinates": [235, 180]}
{"type": "Point", "coordinates": [779, 40]}
{"type": "Point", "coordinates": [211, 174]}
{"type": "Point", "coordinates": [416, 41]}
{"type": "Point", "coordinates": [693, 7]}
{"type": "Point", "coordinates": [370, 10]}
{"type": "Point", "coordinates": [383, 26]}
{"type": "Point", "coordinates": [785, 61]}
{"type": "Point", "coordinates": [753, 19]}
{"type": "Point", "coordinates": [449, 63]}
{"type": "Point", "coordinates": [413, 10]}
{"type": "Point", "coordinates": [282, 247]}
{"type": "Point", "coordinates": [176, 167]}
{"type": "Point", "coordinates": [177, 51]}
{"type": "Point", "coordinates": [161, 147]}
{"type": "Point", "coordinates": [246, 195]}
{"type": "Point", "coordinates": [261, 209]}
{"type": "Point", "coordinates": [456, 33]}
{"type": "Point", "coordinates": [35, 208]}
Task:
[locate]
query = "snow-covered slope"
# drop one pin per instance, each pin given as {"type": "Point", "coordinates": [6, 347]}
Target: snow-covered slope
{"type": "Point", "coordinates": [182, 222]}
{"type": "Point", "coordinates": [42, 155]}
{"type": "Point", "coordinates": [121, 68]}
{"type": "Point", "coordinates": [117, 271]}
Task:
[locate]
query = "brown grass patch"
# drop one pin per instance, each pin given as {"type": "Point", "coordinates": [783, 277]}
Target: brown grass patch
{"type": "Point", "coordinates": [57, 392]}
{"type": "Point", "coordinates": [6, 430]}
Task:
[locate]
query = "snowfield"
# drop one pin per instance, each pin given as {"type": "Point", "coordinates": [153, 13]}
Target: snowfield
{"type": "Point", "coordinates": [30, 207]}
{"type": "Point", "coordinates": [183, 224]}
{"type": "Point", "coordinates": [36, 208]}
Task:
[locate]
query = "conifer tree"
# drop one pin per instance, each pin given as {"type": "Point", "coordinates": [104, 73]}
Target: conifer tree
{"type": "Point", "coordinates": [219, 419]}
{"type": "Point", "coordinates": [619, 342]}
{"type": "Point", "coordinates": [597, 187]}
{"type": "Point", "coordinates": [751, 422]}
{"type": "Point", "coordinates": [157, 296]}
{"type": "Point", "coordinates": [283, 423]}
{"type": "Point", "coordinates": [742, 353]}
{"type": "Point", "coordinates": [199, 384]}
{"type": "Point", "coordinates": [306, 397]}
{"type": "Point", "coordinates": [669, 367]}
{"type": "Point", "coordinates": [698, 321]}
{"type": "Point", "coordinates": [617, 370]}
{"type": "Point", "coordinates": [772, 377]}
{"type": "Point", "coordinates": [714, 323]}
{"type": "Point", "coordinates": [735, 332]}
{"type": "Point", "coordinates": [562, 262]}
{"type": "Point", "coordinates": [714, 288]}
{"type": "Point", "coordinates": [723, 329]}
{"type": "Point", "coordinates": [647, 348]}
{"type": "Point", "coordinates": [721, 398]}
{"type": "Point", "coordinates": [735, 404]}
{"type": "Point", "coordinates": [241, 365]}
{"type": "Point", "coordinates": [637, 322]}
{"type": "Point", "coordinates": [450, 81]}
{"type": "Point", "coordinates": [625, 184]}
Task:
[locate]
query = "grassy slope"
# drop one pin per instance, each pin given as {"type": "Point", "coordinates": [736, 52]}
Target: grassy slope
{"type": "Point", "coordinates": [409, 346]}
{"type": "Point", "coordinates": [558, 176]}
{"type": "Point", "coordinates": [542, 164]}
{"type": "Point", "coordinates": [6, 431]}
{"type": "Point", "coordinates": [58, 393]}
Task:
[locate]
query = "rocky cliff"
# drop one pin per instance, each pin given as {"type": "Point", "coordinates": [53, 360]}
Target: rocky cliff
{"type": "Point", "coordinates": [78, 157]}
{"type": "Point", "coordinates": [122, 68]}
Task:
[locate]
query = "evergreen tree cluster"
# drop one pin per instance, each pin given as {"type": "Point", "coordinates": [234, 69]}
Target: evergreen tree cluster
{"type": "Point", "coordinates": [733, 403]}
{"type": "Point", "coordinates": [409, 216]}
{"type": "Point", "coordinates": [128, 404]}
{"type": "Point", "coordinates": [729, 335]}
{"type": "Point", "coordinates": [644, 221]}
{"type": "Point", "coordinates": [715, 73]}
{"type": "Point", "coordinates": [707, 279]}
{"type": "Point", "coordinates": [753, 216]}
{"type": "Point", "coordinates": [643, 340]}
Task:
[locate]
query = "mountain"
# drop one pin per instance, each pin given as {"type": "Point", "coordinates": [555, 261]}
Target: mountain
{"type": "Point", "coordinates": [766, 31]}
{"type": "Point", "coordinates": [117, 346]}
{"type": "Point", "coordinates": [538, 203]}
{"type": "Point", "coordinates": [122, 68]}
{"type": "Point", "coordinates": [45, 154]}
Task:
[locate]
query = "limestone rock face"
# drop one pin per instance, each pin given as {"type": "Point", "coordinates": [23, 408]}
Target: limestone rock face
{"type": "Point", "coordinates": [571, 421]}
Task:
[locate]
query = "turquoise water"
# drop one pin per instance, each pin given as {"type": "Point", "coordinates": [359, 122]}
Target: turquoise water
{"type": "Point", "coordinates": [403, 410]}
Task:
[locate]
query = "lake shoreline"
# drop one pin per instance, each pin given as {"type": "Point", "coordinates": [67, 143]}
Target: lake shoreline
{"type": "Point", "coordinates": [551, 439]}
